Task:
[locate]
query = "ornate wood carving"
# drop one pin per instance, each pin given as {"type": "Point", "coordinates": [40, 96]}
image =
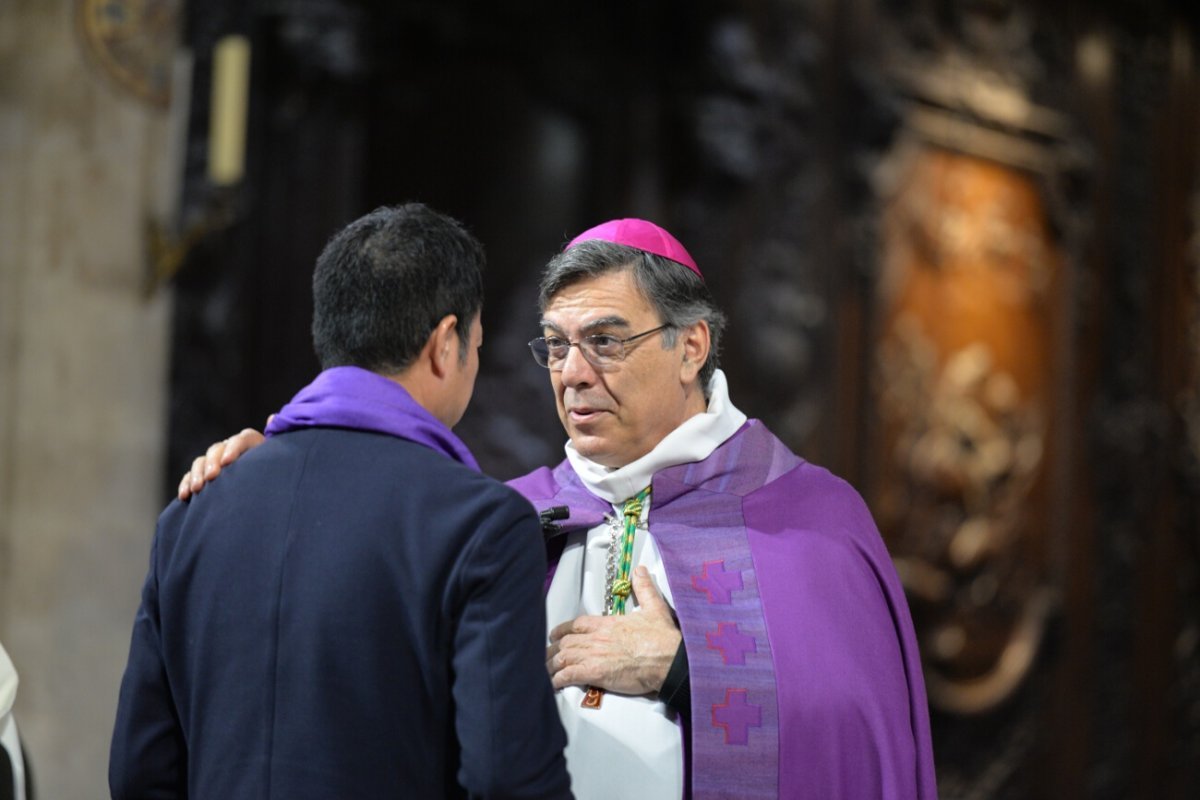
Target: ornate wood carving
{"type": "Point", "coordinates": [979, 243]}
{"type": "Point", "coordinates": [753, 208]}
{"type": "Point", "coordinates": [966, 389]}
{"type": "Point", "coordinates": [968, 303]}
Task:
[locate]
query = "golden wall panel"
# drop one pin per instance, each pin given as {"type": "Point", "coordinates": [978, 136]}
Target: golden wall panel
{"type": "Point", "coordinates": [964, 383]}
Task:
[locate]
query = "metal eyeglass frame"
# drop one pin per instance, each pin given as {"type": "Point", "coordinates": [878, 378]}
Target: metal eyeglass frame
{"type": "Point", "coordinates": [587, 346]}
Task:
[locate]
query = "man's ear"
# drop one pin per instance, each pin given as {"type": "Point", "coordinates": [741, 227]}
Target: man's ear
{"type": "Point", "coordinates": [696, 344]}
{"type": "Point", "coordinates": [443, 345]}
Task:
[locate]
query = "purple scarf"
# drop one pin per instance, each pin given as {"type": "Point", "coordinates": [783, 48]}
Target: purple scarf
{"type": "Point", "coordinates": [354, 398]}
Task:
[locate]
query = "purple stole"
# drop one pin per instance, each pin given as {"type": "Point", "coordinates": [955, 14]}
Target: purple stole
{"type": "Point", "coordinates": [734, 542]}
{"type": "Point", "coordinates": [361, 400]}
{"type": "Point", "coordinates": [711, 573]}
{"type": "Point", "coordinates": [702, 536]}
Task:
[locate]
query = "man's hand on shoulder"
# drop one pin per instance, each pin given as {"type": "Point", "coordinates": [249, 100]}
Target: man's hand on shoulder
{"type": "Point", "coordinates": [629, 654]}
{"type": "Point", "coordinates": [221, 454]}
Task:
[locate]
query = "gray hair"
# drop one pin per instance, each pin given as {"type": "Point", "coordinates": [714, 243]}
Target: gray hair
{"type": "Point", "coordinates": [678, 295]}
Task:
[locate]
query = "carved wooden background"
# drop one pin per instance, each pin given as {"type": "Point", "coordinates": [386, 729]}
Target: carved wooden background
{"type": "Point", "coordinates": [959, 243]}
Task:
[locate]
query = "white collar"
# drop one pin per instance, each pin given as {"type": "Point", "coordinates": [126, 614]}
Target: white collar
{"type": "Point", "coordinates": [694, 440]}
{"type": "Point", "coordinates": [8, 683]}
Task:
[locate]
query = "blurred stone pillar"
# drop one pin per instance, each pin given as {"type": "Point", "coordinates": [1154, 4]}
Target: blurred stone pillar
{"type": "Point", "coordinates": [82, 383]}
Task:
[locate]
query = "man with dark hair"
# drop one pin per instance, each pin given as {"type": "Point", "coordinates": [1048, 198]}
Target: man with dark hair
{"type": "Point", "coordinates": [356, 610]}
{"type": "Point", "coordinates": [724, 619]}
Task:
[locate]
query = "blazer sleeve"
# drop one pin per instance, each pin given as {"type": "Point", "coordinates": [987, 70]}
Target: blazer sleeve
{"type": "Point", "coordinates": [148, 758]}
{"type": "Point", "coordinates": [506, 718]}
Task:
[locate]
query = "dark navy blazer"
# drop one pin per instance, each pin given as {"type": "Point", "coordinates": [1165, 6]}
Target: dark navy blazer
{"type": "Point", "coordinates": [342, 615]}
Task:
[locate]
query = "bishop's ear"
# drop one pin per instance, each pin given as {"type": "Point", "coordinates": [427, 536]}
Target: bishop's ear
{"type": "Point", "coordinates": [696, 342]}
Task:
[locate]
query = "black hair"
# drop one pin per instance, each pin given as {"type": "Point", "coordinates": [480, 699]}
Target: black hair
{"type": "Point", "coordinates": [382, 284]}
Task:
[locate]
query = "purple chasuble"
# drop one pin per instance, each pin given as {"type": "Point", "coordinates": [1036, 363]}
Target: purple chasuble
{"type": "Point", "coordinates": [805, 676]}
{"type": "Point", "coordinates": [361, 400]}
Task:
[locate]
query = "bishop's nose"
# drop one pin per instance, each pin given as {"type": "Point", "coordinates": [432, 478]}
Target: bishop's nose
{"type": "Point", "coordinates": [577, 370]}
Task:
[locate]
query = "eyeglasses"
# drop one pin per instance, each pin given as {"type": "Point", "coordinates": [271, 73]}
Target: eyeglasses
{"type": "Point", "coordinates": [600, 350]}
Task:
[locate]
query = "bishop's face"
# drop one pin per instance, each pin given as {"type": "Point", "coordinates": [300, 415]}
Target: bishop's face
{"type": "Point", "coordinates": [617, 413]}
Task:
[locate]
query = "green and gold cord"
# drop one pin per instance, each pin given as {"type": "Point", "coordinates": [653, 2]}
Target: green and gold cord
{"type": "Point", "coordinates": [622, 586]}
